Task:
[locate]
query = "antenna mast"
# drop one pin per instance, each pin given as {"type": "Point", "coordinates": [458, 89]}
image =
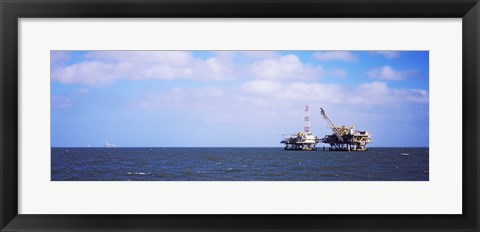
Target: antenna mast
{"type": "Point", "coordinates": [307, 121]}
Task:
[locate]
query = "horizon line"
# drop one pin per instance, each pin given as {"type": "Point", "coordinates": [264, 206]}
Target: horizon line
{"type": "Point", "coordinates": [218, 147]}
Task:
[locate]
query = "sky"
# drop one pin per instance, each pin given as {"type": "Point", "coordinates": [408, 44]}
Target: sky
{"type": "Point", "coordinates": [235, 98]}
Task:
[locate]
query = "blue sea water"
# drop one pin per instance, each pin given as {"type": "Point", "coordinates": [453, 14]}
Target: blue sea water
{"type": "Point", "coordinates": [238, 164]}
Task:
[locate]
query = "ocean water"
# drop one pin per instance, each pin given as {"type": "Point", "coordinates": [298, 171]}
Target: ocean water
{"type": "Point", "coordinates": [238, 164]}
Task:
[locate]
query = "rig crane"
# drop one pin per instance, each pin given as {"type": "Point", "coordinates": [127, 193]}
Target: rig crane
{"type": "Point", "coordinates": [331, 125]}
{"type": "Point", "coordinates": [345, 138]}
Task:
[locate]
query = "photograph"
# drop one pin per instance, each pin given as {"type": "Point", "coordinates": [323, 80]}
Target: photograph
{"type": "Point", "coordinates": [282, 115]}
{"type": "Point", "coordinates": [239, 115]}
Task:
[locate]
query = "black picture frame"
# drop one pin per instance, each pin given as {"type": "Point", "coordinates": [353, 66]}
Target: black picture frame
{"type": "Point", "coordinates": [12, 10]}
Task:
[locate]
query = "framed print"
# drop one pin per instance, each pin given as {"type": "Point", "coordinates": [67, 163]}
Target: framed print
{"type": "Point", "coordinates": [226, 115]}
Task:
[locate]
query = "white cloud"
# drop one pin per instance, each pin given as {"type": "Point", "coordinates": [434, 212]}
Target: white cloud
{"type": "Point", "coordinates": [372, 93]}
{"type": "Point", "coordinates": [377, 93]}
{"type": "Point", "coordinates": [105, 67]}
{"type": "Point", "coordinates": [387, 54]}
{"type": "Point", "coordinates": [181, 98]}
{"type": "Point", "coordinates": [335, 55]}
{"type": "Point", "coordinates": [259, 54]}
{"type": "Point", "coordinates": [277, 107]}
{"type": "Point", "coordinates": [268, 95]}
{"type": "Point", "coordinates": [375, 87]}
{"type": "Point", "coordinates": [388, 73]}
{"type": "Point", "coordinates": [285, 67]}
{"type": "Point", "coordinates": [83, 91]}
{"type": "Point", "coordinates": [417, 95]}
{"type": "Point", "coordinates": [338, 73]}
{"type": "Point", "coordinates": [290, 94]}
{"type": "Point", "coordinates": [59, 101]}
{"type": "Point", "coordinates": [177, 58]}
{"type": "Point", "coordinates": [89, 72]}
{"type": "Point", "coordinates": [59, 58]}
{"type": "Point", "coordinates": [301, 92]}
{"type": "Point", "coordinates": [262, 87]}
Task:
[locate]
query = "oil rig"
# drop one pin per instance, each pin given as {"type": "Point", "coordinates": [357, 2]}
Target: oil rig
{"type": "Point", "coordinates": [305, 140]}
{"type": "Point", "coordinates": [345, 138]}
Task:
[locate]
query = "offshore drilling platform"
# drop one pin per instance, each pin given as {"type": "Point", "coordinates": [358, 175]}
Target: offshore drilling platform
{"type": "Point", "coordinates": [305, 140]}
{"type": "Point", "coordinates": [343, 138]}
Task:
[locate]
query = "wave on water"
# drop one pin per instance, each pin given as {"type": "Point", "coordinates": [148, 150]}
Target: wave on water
{"type": "Point", "coordinates": [139, 173]}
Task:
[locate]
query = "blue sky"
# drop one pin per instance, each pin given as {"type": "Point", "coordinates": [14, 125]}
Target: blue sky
{"type": "Point", "coordinates": [235, 98]}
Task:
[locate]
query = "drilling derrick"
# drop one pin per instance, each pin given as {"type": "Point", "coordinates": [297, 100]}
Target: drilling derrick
{"type": "Point", "coordinates": [345, 138]}
{"type": "Point", "coordinates": [307, 121]}
{"type": "Point", "coordinates": [305, 140]}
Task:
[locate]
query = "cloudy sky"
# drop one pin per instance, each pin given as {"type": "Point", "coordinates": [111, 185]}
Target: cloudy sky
{"type": "Point", "coordinates": [235, 98]}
